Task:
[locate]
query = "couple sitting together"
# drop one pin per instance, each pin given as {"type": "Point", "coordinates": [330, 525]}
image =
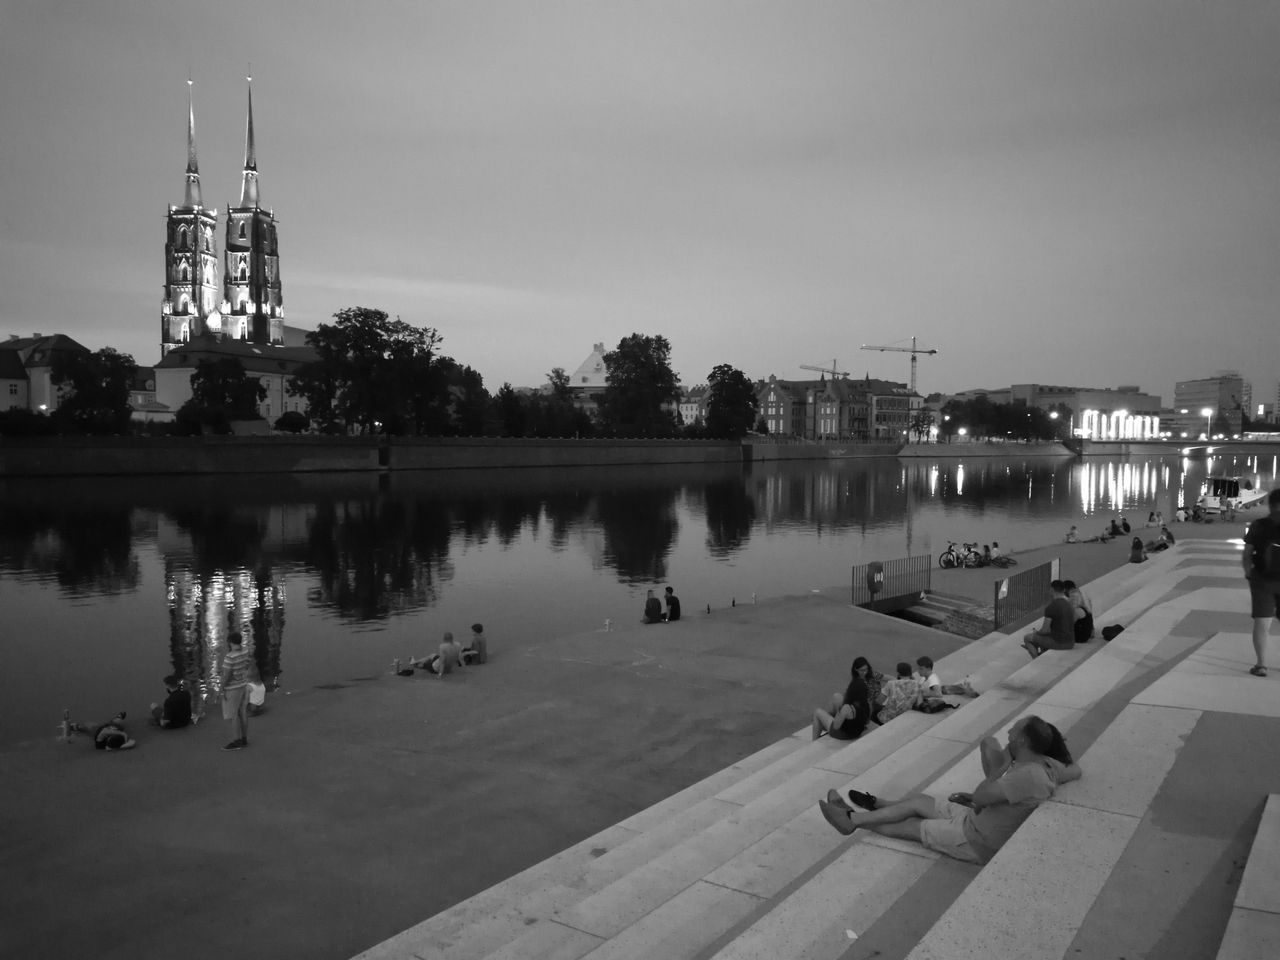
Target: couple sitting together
{"type": "Point", "coordinates": [969, 826]}
{"type": "Point", "coordinates": [871, 698]}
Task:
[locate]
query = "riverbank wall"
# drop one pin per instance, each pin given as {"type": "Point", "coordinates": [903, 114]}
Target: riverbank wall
{"type": "Point", "coordinates": [972, 449]}
{"type": "Point", "coordinates": [149, 456]}
{"type": "Point", "coordinates": [140, 456]}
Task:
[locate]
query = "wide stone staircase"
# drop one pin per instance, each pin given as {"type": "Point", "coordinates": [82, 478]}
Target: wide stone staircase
{"type": "Point", "coordinates": [742, 864]}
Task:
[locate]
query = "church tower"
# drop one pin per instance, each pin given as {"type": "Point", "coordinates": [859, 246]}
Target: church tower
{"type": "Point", "coordinates": [252, 306]}
{"type": "Point", "coordinates": [190, 263]}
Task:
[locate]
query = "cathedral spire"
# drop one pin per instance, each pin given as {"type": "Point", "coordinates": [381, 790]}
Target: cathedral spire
{"type": "Point", "coordinates": [192, 195]}
{"type": "Point", "coordinates": [249, 185]}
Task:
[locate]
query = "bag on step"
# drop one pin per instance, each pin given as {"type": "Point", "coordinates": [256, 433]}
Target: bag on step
{"type": "Point", "coordinates": [1111, 632]}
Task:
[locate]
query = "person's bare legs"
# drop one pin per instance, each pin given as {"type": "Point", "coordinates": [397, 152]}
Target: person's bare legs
{"type": "Point", "coordinates": [995, 758]}
{"type": "Point", "coordinates": [824, 721]}
{"type": "Point", "coordinates": [899, 819]}
{"type": "Point", "coordinates": [1260, 627]}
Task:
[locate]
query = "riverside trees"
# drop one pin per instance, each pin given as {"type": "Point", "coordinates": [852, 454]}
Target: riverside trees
{"type": "Point", "coordinates": [732, 404]}
{"type": "Point", "coordinates": [640, 387]}
{"type": "Point", "coordinates": [95, 390]}
{"type": "Point", "coordinates": [375, 373]}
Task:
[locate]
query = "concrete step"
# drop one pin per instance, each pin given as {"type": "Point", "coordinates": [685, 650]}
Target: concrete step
{"type": "Point", "coordinates": [1069, 846]}
{"type": "Point", "coordinates": [1254, 928]}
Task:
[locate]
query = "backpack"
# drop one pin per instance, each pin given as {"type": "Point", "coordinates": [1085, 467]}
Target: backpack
{"type": "Point", "coordinates": [1111, 632]}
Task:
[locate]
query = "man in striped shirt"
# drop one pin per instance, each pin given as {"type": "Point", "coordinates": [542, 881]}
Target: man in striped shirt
{"type": "Point", "coordinates": [237, 671]}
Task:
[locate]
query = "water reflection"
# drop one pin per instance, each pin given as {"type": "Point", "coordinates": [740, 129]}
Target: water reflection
{"type": "Point", "coordinates": [85, 550]}
{"type": "Point", "coordinates": [206, 607]}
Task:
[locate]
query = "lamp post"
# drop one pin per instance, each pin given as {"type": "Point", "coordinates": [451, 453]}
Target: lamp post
{"type": "Point", "coordinates": [1207, 413]}
{"type": "Point", "coordinates": [946, 418]}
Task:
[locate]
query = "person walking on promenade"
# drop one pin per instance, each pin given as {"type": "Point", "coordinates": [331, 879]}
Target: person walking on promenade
{"type": "Point", "coordinates": [237, 671]}
{"type": "Point", "coordinates": [1262, 569]}
{"type": "Point", "coordinates": [970, 826]}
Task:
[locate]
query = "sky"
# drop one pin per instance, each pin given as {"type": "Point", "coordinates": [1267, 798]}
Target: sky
{"type": "Point", "coordinates": [1082, 192]}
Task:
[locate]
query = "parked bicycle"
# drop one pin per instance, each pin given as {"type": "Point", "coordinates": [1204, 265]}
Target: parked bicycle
{"type": "Point", "coordinates": [1003, 561]}
{"type": "Point", "coordinates": [963, 556]}
{"type": "Point", "coordinates": [971, 556]}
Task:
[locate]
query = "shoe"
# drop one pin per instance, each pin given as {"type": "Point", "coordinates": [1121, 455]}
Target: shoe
{"type": "Point", "coordinates": [836, 800]}
{"type": "Point", "coordinates": [838, 817]}
{"type": "Point", "coordinates": [233, 745]}
{"type": "Point", "coordinates": [1258, 671]}
{"type": "Point", "coordinates": [867, 801]}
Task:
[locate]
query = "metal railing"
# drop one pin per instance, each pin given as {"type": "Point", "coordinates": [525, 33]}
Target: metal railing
{"type": "Point", "coordinates": [891, 578]}
{"type": "Point", "coordinates": [1025, 592]}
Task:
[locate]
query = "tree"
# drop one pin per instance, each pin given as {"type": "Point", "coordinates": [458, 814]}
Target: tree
{"type": "Point", "coordinates": [640, 385]}
{"type": "Point", "coordinates": [732, 405]}
{"type": "Point", "coordinates": [921, 423]}
{"type": "Point", "coordinates": [372, 372]}
{"type": "Point", "coordinates": [511, 411]}
{"type": "Point", "coordinates": [225, 385]}
{"type": "Point", "coordinates": [291, 421]}
{"type": "Point", "coordinates": [95, 390]}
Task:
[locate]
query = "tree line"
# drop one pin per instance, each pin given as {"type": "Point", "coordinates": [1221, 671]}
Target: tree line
{"type": "Point", "coordinates": [375, 375]}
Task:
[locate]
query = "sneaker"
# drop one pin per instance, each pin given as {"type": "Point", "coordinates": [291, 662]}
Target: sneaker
{"type": "Point", "coordinates": [234, 745]}
{"type": "Point", "coordinates": [867, 801]}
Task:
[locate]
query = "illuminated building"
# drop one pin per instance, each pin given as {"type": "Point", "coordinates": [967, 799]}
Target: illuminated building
{"type": "Point", "coordinates": [1225, 394]}
{"type": "Point", "coordinates": [251, 305]}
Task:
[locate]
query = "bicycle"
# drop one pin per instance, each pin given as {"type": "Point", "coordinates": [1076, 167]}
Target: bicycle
{"type": "Point", "coordinates": [971, 556]}
{"type": "Point", "coordinates": [950, 557]}
{"type": "Point", "coordinates": [1003, 561]}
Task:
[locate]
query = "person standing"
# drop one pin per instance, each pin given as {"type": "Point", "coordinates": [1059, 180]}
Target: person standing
{"type": "Point", "coordinates": [1262, 570]}
{"type": "Point", "coordinates": [673, 606]}
{"type": "Point", "coordinates": [237, 671]}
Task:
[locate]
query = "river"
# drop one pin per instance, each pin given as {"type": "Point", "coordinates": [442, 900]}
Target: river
{"type": "Point", "coordinates": [109, 584]}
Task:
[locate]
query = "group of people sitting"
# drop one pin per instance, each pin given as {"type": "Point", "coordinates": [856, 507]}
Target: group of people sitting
{"type": "Point", "coordinates": [450, 657]}
{"type": "Point", "coordinates": [1068, 620]}
{"type": "Point", "coordinates": [1138, 550]}
{"type": "Point", "coordinates": [872, 700]}
{"type": "Point", "coordinates": [111, 735]}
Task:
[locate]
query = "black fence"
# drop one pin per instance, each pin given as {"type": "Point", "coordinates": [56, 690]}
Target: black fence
{"type": "Point", "coordinates": [1023, 593]}
{"type": "Point", "coordinates": [881, 583]}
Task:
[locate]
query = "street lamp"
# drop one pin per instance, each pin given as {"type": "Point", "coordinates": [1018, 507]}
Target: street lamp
{"type": "Point", "coordinates": [1207, 413]}
{"type": "Point", "coordinates": [946, 418]}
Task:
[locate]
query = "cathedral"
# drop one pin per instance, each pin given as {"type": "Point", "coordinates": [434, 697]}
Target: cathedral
{"type": "Point", "coordinates": [249, 306]}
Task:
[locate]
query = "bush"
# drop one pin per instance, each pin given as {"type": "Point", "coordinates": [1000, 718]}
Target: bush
{"type": "Point", "coordinates": [292, 421]}
{"type": "Point", "coordinates": [20, 422]}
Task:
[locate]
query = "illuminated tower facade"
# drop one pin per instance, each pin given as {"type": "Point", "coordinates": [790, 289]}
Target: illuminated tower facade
{"type": "Point", "coordinates": [190, 263]}
{"type": "Point", "coordinates": [252, 306]}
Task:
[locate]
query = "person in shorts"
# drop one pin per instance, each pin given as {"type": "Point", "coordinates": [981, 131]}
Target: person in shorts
{"type": "Point", "coordinates": [1262, 569]}
{"type": "Point", "coordinates": [970, 826]}
{"type": "Point", "coordinates": [237, 671]}
{"type": "Point", "coordinates": [1057, 630]}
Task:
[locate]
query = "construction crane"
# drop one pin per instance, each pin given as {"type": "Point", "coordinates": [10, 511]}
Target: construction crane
{"type": "Point", "coordinates": [834, 370]}
{"type": "Point", "coordinates": [913, 350]}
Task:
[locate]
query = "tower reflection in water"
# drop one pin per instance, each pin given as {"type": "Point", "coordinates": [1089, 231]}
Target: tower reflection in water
{"type": "Point", "coordinates": [204, 609]}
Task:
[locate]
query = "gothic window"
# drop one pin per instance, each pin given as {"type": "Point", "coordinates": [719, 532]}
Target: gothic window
{"type": "Point", "coordinates": [182, 238]}
{"type": "Point", "coordinates": [208, 238]}
{"type": "Point", "coordinates": [244, 268]}
{"type": "Point", "coordinates": [184, 273]}
{"type": "Point", "coordinates": [241, 229]}
{"type": "Point", "coordinates": [184, 305]}
{"type": "Point", "coordinates": [185, 335]}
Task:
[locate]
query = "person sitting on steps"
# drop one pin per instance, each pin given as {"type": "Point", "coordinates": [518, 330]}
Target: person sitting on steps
{"type": "Point", "coordinates": [849, 712]}
{"type": "Point", "coordinates": [1056, 631]}
{"type": "Point", "coordinates": [900, 695]}
{"type": "Point", "coordinates": [970, 826]}
{"type": "Point", "coordinates": [932, 688]}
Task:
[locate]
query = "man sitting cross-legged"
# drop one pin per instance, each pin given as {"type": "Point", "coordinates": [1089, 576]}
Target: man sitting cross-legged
{"type": "Point", "coordinates": [970, 826]}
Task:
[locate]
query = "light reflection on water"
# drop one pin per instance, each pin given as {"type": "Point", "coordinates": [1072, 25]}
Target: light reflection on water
{"type": "Point", "coordinates": [109, 585]}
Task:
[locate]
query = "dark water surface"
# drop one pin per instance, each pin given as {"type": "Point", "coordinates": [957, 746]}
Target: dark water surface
{"type": "Point", "coordinates": [107, 585]}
